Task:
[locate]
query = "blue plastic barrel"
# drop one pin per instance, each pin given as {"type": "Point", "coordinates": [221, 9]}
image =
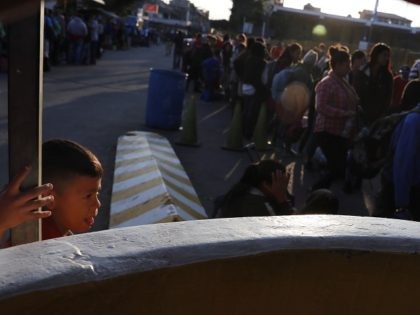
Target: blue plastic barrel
{"type": "Point", "coordinates": [165, 99]}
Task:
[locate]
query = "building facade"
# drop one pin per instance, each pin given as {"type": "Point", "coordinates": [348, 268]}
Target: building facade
{"type": "Point", "coordinates": [288, 23]}
{"type": "Point", "coordinates": [177, 13]}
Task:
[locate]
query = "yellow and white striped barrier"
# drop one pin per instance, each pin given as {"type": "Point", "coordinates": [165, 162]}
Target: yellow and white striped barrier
{"type": "Point", "coordinates": [150, 184]}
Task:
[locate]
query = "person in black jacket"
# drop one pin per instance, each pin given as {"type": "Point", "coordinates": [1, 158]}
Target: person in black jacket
{"type": "Point", "coordinates": [178, 50]}
{"type": "Point", "coordinates": [374, 84]}
{"type": "Point", "coordinates": [262, 191]}
{"type": "Point", "coordinates": [253, 89]}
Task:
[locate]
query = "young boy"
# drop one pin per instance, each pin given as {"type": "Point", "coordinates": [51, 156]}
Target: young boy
{"type": "Point", "coordinates": [76, 175]}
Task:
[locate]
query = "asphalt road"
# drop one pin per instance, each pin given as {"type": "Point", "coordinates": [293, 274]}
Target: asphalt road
{"type": "Point", "coordinates": [94, 105]}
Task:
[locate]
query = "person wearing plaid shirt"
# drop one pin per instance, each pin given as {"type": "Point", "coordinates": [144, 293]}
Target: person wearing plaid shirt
{"type": "Point", "coordinates": [336, 106]}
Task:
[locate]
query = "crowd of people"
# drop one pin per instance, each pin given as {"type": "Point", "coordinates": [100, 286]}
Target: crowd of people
{"type": "Point", "coordinates": [364, 119]}
{"type": "Point", "coordinates": [80, 38]}
{"type": "Point", "coordinates": [350, 97]}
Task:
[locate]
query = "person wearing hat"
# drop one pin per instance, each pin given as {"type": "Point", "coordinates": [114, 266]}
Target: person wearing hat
{"type": "Point", "coordinates": [400, 81]}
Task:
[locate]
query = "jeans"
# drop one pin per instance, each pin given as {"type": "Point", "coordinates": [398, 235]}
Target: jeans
{"type": "Point", "coordinates": [335, 150]}
{"type": "Point", "coordinates": [75, 54]}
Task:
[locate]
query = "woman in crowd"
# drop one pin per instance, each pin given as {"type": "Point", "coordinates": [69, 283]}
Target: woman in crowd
{"type": "Point", "coordinates": [374, 83]}
{"type": "Point", "coordinates": [290, 55]}
{"type": "Point", "coordinates": [336, 106]}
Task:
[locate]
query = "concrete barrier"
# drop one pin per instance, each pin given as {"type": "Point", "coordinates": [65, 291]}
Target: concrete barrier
{"type": "Point", "coordinates": [272, 265]}
{"type": "Point", "coordinates": [150, 184]}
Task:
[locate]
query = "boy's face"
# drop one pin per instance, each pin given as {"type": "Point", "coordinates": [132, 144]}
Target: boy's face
{"type": "Point", "coordinates": [76, 204]}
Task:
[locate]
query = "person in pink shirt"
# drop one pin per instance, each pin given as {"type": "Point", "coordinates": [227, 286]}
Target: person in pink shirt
{"type": "Point", "coordinates": [336, 106]}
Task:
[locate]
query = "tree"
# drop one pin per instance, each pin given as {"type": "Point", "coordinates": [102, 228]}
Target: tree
{"type": "Point", "coordinates": [250, 10]}
{"type": "Point", "coordinates": [220, 25]}
{"type": "Point", "coordinates": [121, 6]}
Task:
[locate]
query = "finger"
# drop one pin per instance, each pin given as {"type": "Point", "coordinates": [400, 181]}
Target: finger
{"type": "Point", "coordinates": [49, 189]}
{"type": "Point", "coordinates": [37, 203]}
{"type": "Point", "coordinates": [43, 190]}
{"type": "Point", "coordinates": [18, 180]}
{"type": "Point", "coordinates": [39, 215]}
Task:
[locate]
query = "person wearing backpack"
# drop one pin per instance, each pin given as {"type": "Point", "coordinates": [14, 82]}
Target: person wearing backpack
{"type": "Point", "coordinates": [399, 195]}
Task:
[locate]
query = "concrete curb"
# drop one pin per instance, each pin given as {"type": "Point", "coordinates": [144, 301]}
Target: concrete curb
{"type": "Point", "coordinates": [150, 184]}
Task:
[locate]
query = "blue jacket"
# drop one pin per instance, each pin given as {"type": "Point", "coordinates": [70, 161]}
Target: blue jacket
{"type": "Point", "coordinates": [280, 81]}
{"type": "Point", "coordinates": [406, 162]}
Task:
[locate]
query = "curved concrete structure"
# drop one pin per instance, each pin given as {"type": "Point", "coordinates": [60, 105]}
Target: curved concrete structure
{"type": "Point", "coordinates": [271, 265]}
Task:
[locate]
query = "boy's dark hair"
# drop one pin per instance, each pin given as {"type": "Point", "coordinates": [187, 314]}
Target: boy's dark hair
{"type": "Point", "coordinates": [254, 175]}
{"type": "Point", "coordinates": [321, 201]}
{"type": "Point", "coordinates": [358, 54]}
{"type": "Point", "coordinates": [65, 159]}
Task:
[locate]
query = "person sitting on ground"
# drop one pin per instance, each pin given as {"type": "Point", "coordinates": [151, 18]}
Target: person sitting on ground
{"type": "Point", "coordinates": [262, 191]}
{"type": "Point", "coordinates": [17, 207]}
{"type": "Point", "coordinates": [76, 174]}
{"type": "Point", "coordinates": [321, 201]}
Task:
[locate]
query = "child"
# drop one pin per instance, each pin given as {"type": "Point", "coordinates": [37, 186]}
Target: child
{"type": "Point", "coordinates": [76, 174]}
{"type": "Point", "coordinates": [262, 191]}
{"type": "Point", "coordinates": [321, 201]}
{"type": "Point", "coordinates": [17, 207]}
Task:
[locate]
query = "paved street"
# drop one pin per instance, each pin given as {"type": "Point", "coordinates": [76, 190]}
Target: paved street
{"type": "Point", "coordinates": [94, 105]}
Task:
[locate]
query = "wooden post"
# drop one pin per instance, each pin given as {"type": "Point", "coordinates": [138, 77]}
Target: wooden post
{"type": "Point", "coordinates": [25, 108]}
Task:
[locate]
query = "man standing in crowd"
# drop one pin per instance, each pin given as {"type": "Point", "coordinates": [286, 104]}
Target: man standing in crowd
{"type": "Point", "coordinates": [400, 81]}
{"type": "Point", "coordinates": [178, 50]}
{"type": "Point", "coordinates": [77, 31]}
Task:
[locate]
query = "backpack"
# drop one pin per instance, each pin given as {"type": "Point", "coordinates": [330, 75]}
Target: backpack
{"type": "Point", "coordinates": [372, 147]}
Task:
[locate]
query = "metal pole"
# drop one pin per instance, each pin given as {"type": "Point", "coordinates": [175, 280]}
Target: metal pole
{"type": "Point", "coordinates": [26, 53]}
{"type": "Point", "coordinates": [375, 11]}
{"type": "Point", "coordinates": [263, 29]}
{"type": "Point", "coordinates": [373, 20]}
